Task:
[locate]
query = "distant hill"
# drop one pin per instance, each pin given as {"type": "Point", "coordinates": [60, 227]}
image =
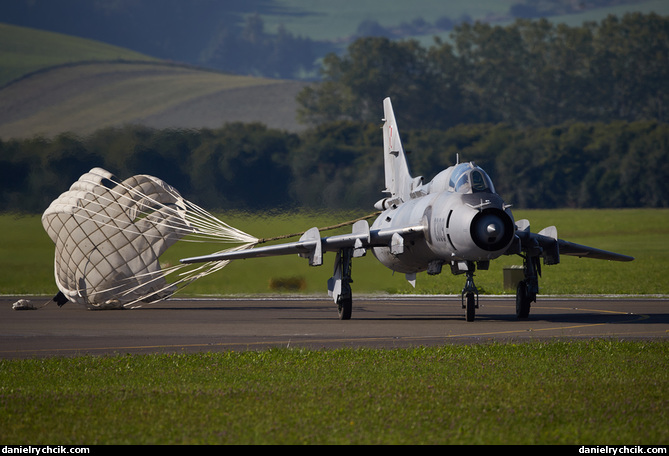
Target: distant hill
{"type": "Point", "coordinates": [55, 83]}
{"type": "Point", "coordinates": [85, 97]}
{"type": "Point", "coordinates": [25, 50]}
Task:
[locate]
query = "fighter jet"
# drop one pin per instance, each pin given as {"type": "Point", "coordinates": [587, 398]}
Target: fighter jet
{"type": "Point", "coordinates": [456, 220]}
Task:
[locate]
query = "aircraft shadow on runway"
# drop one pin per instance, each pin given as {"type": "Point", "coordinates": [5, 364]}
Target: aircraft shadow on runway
{"type": "Point", "coordinates": [449, 313]}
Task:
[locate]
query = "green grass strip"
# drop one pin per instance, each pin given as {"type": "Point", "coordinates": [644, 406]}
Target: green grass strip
{"type": "Point", "coordinates": [579, 392]}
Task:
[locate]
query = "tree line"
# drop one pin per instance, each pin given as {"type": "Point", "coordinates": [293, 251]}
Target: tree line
{"type": "Point", "coordinates": [529, 73]}
{"type": "Point", "coordinates": [339, 165]}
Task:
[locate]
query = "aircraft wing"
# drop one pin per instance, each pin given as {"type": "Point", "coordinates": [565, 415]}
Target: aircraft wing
{"type": "Point", "coordinates": [547, 244]}
{"type": "Point", "coordinates": [569, 248]}
{"type": "Point", "coordinates": [302, 247]}
{"type": "Point", "coordinates": [311, 245]}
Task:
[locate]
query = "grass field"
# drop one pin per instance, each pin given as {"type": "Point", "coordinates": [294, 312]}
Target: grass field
{"type": "Point", "coordinates": [78, 85]}
{"type": "Point", "coordinates": [586, 393]}
{"type": "Point", "coordinates": [24, 50]}
{"type": "Point", "coordinates": [86, 98]}
{"type": "Point", "coordinates": [26, 257]}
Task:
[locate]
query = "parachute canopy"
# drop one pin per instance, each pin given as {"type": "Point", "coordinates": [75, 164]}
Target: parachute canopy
{"type": "Point", "coordinates": [109, 236]}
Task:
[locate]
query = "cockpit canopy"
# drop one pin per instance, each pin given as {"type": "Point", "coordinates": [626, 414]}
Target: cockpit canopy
{"type": "Point", "coordinates": [469, 178]}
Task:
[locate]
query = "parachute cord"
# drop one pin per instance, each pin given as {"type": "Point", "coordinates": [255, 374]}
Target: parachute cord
{"type": "Point", "coordinates": [327, 228]}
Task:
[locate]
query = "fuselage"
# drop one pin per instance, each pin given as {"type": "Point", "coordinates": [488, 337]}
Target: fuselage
{"type": "Point", "coordinates": [463, 218]}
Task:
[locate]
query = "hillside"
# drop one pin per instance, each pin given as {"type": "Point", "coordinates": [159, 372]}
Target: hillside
{"type": "Point", "coordinates": [86, 97]}
{"type": "Point", "coordinates": [56, 83]}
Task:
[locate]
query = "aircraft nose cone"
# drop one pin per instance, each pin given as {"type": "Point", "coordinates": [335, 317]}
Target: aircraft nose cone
{"type": "Point", "coordinates": [492, 229]}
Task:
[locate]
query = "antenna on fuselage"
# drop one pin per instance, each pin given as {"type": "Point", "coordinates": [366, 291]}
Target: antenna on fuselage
{"type": "Point", "coordinates": [457, 158]}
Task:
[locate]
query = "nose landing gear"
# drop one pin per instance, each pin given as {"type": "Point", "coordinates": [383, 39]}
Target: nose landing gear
{"type": "Point", "coordinates": [470, 294]}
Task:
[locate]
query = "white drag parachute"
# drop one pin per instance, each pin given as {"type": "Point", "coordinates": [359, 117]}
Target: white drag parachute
{"type": "Point", "coordinates": [109, 236]}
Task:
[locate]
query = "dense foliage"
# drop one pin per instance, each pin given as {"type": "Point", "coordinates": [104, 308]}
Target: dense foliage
{"type": "Point", "coordinates": [339, 165]}
{"type": "Point", "coordinates": [529, 73]}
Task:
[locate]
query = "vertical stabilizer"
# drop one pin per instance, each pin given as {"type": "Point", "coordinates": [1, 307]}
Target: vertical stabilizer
{"type": "Point", "coordinates": [398, 179]}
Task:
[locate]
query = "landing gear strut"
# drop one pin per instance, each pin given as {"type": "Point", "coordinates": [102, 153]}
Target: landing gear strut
{"type": "Point", "coordinates": [470, 294]}
{"type": "Point", "coordinates": [339, 285]}
{"type": "Point", "coordinates": [526, 291]}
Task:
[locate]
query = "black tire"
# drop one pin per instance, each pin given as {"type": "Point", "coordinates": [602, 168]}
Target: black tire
{"type": "Point", "coordinates": [345, 308]}
{"type": "Point", "coordinates": [470, 307]}
{"type": "Point", "coordinates": [345, 302]}
{"type": "Point", "coordinates": [522, 301]}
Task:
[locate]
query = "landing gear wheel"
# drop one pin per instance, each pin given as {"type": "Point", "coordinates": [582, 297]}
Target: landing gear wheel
{"type": "Point", "coordinates": [523, 300]}
{"type": "Point", "coordinates": [470, 294]}
{"type": "Point", "coordinates": [345, 308]}
{"type": "Point", "coordinates": [470, 307]}
{"type": "Point", "coordinates": [342, 276]}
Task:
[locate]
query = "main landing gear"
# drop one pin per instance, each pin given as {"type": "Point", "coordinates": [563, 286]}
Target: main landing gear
{"type": "Point", "coordinates": [339, 286]}
{"type": "Point", "coordinates": [526, 291]}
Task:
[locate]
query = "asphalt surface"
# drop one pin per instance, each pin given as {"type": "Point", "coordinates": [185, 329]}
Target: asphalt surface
{"type": "Point", "coordinates": [193, 325]}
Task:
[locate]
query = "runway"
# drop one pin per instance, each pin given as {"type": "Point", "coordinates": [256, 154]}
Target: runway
{"type": "Point", "coordinates": [201, 325]}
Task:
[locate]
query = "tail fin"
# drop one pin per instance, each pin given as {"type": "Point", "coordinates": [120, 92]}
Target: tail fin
{"type": "Point", "coordinates": [398, 177]}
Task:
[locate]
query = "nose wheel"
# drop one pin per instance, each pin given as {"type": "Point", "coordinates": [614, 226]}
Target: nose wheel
{"type": "Point", "coordinates": [470, 294]}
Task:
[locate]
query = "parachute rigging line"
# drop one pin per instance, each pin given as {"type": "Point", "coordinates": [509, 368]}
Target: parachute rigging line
{"type": "Point", "coordinates": [109, 235]}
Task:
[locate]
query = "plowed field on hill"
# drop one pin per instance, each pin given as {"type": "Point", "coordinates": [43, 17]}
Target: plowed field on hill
{"type": "Point", "coordinates": [82, 98]}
